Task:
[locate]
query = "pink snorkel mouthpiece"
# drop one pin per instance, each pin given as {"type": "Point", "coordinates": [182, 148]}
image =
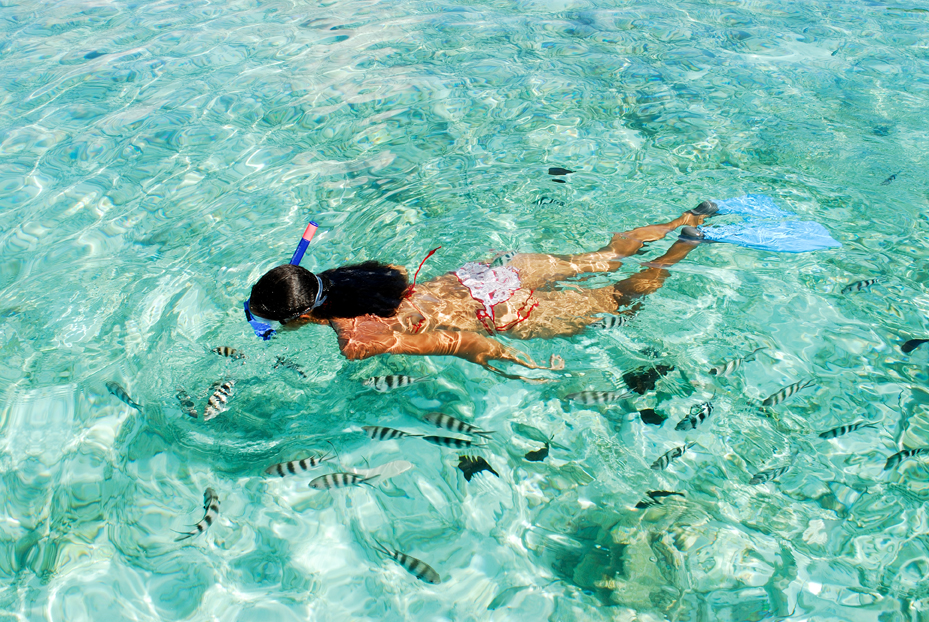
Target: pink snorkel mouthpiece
{"type": "Point", "coordinates": [304, 243]}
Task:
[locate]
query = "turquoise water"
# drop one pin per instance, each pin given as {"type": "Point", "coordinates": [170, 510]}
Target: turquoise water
{"type": "Point", "coordinates": [156, 158]}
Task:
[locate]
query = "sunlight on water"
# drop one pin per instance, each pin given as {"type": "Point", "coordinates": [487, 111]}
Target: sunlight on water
{"type": "Point", "coordinates": [159, 157]}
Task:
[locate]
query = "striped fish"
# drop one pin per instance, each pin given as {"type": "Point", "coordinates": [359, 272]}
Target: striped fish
{"type": "Point", "coordinates": [857, 286]}
{"type": "Point", "coordinates": [211, 507]}
{"type": "Point", "coordinates": [382, 384]}
{"type": "Point", "coordinates": [663, 462]}
{"type": "Point", "coordinates": [598, 397]}
{"type": "Point", "coordinates": [187, 403]}
{"type": "Point", "coordinates": [218, 402]}
{"type": "Point", "coordinates": [121, 394]}
{"type": "Point", "coordinates": [286, 363]}
{"type": "Point", "coordinates": [609, 321]}
{"type": "Point", "coordinates": [845, 429]}
{"type": "Point", "coordinates": [766, 476]}
{"type": "Point", "coordinates": [900, 456]}
{"type": "Point", "coordinates": [419, 569]}
{"type": "Point", "coordinates": [330, 481]}
{"type": "Point", "coordinates": [654, 497]}
{"type": "Point", "coordinates": [380, 433]}
{"type": "Point", "coordinates": [294, 466]}
{"type": "Point", "coordinates": [698, 414]}
{"type": "Point", "coordinates": [787, 391]}
{"type": "Point", "coordinates": [503, 259]}
{"type": "Point", "coordinates": [447, 422]}
{"type": "Point", "coordinates": [228, 352]}
{"type": "Point", "coordinates": [724, 369]}
{"type": "Point", "coordinates": [447, 441]}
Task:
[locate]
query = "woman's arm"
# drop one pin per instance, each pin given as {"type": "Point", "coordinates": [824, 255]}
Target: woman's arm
{"type": "Point", "coordinates": [368, 338]}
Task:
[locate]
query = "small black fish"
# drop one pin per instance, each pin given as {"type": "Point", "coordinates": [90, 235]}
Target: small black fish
{"type": "Point", "coordinates": [698, 414]}
{"type": "Point", "coordinates": [912, 344]}
{"type": "Point", "coordinates": [559, 181]}
{"type": "Point", "coordinates": [447, 441]}
{"type": "Point", "coordinates": [94, 54]}
{"type": "Point", "coordinates": [187, 403]}
{"type": "Point", "coordinates": [900, 456]}
{"type": "Point", "coordinates": [556, 170]}
{"type": "Point", "coordinates": [644, 379]}
{"type": "Point", "coordinates": [845, 429]}
{"type": "Point", "coordinates": [887, 181]}
{"type": "Point", "coordinates": [654, 497]}
{"type": "Point", "coordinates": [228, 352]}
{"type": "Point", "coordinates": [286, 363]}
{"type": "Point", "coordinates": [539, 454]}
{"type": "Point", "coordinates": [121, 394]}
{"type": "Point", "coordinates": [472, 465]}
{"type": "Point", "coordinates": [857, 286]}
{"type": "Point", "coordinates": [211, 506]}
{"type": "Point", "coordinates": [651, 417]}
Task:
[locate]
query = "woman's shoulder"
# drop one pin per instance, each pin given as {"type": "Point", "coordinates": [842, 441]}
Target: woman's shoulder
{"type": "Point", "coordinates": [363, 336]}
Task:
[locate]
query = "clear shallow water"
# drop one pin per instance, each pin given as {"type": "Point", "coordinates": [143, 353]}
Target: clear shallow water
{"type": "Point", "coordinates": [158, 157]}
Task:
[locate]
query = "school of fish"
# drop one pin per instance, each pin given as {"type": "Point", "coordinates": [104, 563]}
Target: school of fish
{"type": "Point", "coordinates": [470, 436]}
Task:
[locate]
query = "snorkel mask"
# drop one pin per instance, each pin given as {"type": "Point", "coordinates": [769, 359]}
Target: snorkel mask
{"type": "Point", "coordinates": [263, 329]}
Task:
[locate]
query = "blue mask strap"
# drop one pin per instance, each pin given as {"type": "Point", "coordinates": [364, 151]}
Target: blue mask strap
{"type": "Point", "coordinates": [261, 329]}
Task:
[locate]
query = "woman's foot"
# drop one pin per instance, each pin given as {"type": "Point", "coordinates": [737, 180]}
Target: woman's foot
{"type": "Point", "coordinates": [707, 208]}
{"type": "Point", "coordinates": [691, 234]}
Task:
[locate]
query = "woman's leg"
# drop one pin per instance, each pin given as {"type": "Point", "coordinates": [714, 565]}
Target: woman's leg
{"type": "Point", "coordinates": [571, 310]}
{"type": "Point", "coordinates": [653, 276]}
{"type": "Point", "coordinates": [536, 270]}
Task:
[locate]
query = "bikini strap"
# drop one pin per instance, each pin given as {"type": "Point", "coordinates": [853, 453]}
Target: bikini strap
{"type": "Point", "coordinates": [409, 290]}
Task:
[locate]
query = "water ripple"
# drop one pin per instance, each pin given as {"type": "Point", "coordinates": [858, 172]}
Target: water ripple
{"type": "Point", "coordinates": [159, 158]}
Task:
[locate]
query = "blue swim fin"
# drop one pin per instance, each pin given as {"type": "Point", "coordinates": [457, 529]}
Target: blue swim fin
{"type": "Point", "coordinates": [757, 205]}
{"type": "Point", "coordinates": [761, 229]}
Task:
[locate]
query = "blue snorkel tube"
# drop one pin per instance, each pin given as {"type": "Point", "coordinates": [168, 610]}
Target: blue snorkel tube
{"type": "Point", "coordinates": [262, 329]}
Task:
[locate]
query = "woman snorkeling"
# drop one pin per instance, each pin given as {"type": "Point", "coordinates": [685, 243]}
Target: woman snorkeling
{"type": "Point", "coordinates": [374, 309]}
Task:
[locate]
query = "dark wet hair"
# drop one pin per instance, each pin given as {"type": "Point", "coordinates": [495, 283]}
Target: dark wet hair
{"type": "Point", "coordinates": [350, 291]}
